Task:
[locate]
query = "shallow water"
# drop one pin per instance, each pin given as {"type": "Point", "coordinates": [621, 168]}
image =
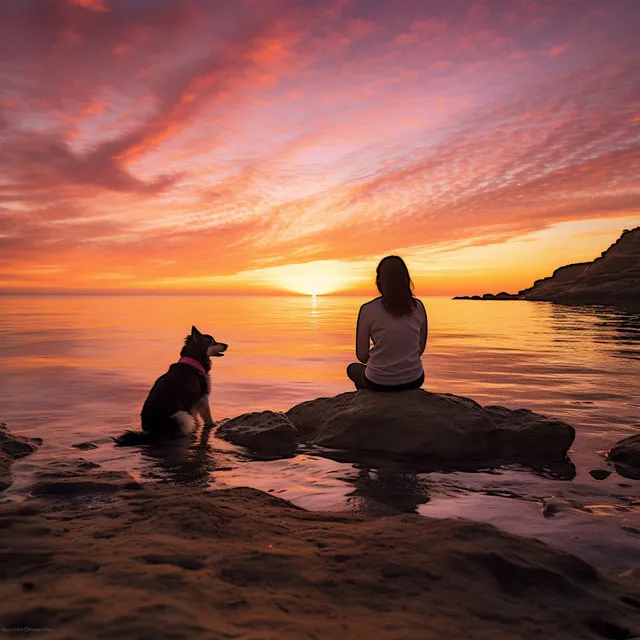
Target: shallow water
{"type": "Point", "coordinates": [77, 368]}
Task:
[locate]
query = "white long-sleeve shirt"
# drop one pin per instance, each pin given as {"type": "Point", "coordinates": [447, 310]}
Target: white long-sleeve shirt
{"type": "Point", "coordinates": [398, 343]}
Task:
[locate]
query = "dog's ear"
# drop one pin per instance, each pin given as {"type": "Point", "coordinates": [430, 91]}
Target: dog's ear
{"type": "Point", "coordinates": [195, 333]}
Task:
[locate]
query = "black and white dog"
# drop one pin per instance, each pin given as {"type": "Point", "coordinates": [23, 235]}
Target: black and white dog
{"type": "Point", "coordinates": [179, 396]}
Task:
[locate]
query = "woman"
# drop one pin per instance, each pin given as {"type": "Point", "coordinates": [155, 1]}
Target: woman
{"type": "Point", "coordinates": [396, 324]}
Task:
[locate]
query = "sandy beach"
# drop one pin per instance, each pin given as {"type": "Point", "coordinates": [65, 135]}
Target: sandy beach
{"type": "Point", "coordinates": [94, 554]}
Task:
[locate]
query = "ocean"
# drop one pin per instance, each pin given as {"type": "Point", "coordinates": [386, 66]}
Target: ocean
{"type": "Point", "coordinates": [77, 369]}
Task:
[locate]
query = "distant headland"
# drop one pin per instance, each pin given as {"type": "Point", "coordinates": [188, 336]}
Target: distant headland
{"type": "Point", "coordinates": [611, 279]}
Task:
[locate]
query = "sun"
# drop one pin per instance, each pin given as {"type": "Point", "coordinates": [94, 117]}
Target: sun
{"type": "Point", "coordinates": [317, 278]}
{"type": "Point", "coordinates": [313, 280]}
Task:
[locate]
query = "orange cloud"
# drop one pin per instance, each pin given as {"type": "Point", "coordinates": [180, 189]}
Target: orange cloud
{"type": "Point", "coordinates": [195, 142]}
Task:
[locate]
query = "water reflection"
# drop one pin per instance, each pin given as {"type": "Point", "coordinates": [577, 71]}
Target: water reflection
{"type": "Point", "coordinates": [385, 491]}
{"type": "Point", "coordinates": [627, 472]}
{"type": "Point", "coordinates": [406, 464]}
{"type": "Point", "coordinates": [612, 331]}
{"type": "Point", "coordinates": [565, 470]}
{"type": "Point", "coordinates": [191, 462]}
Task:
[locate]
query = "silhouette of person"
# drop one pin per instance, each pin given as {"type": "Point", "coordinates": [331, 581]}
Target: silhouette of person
{"type": "Point", "coordinates": [391, 333]}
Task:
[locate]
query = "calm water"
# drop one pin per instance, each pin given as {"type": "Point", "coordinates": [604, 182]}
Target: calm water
{"type": "Point", "coordinates": [78, 368]}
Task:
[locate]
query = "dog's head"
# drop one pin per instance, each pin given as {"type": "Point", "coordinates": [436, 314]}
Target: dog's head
{"type": "Point", "coordinates": [201, 346]}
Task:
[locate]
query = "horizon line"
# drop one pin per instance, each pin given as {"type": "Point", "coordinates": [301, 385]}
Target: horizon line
{"type": "Point", "coordinates": [290, 294]}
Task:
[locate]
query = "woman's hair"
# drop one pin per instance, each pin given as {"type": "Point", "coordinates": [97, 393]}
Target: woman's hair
{"type": "Point", "coordinates": [395, 286]}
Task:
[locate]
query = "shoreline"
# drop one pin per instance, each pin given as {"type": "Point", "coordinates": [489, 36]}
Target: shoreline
{"type": "Point", "coordinates": [95, 554]}
{"type": "Point", "coordinates": [588, 517]}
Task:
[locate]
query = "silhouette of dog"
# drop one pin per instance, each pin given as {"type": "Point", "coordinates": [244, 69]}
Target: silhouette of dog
{"type": "Point", "coordinates": [180, 395]}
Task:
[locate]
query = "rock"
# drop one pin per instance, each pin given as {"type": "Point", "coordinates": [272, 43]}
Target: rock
{"type": "Point", "coordinates": [84, 446]}
{"type": "Point", "coordinates": [552, 506]}
{"type": "Point", "coordinates": [67, 479]}
{"type": "Point", "coordinates": [627, 452]}
{"type": "Point", "coordinates": [12, 448]}
{"type": "Point", "coordinates": [613, 279]}
{"type": "Point", "coordinates": [15, 447]}
{"type": "Point", "coordinates": [180, 562]}
{"type": "Point", "coordinates": [268, 432]}
{"type": "Point", "coordinates": [599, 474]}
{"type": "Point", "coordinates": [503, 295]}
{"type": "Point", "coordinates": [431, 425]}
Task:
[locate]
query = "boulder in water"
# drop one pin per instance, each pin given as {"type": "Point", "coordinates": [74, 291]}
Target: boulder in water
{"type": "Point", "coordinates": [12, 448]}
{"type": "Point", "coordinates": [626, 456]}
{"type": "Point", "coordinates": [84, 446]}
{"type": "Point", "coordinates": [432, 425]}
{"type": "Point", "coordinates": [267, 432]}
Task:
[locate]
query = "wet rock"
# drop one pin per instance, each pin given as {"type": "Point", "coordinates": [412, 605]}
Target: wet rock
{"type": "Point", "coordinates": [553, 506]}
{"type": "Point", "coordinates": [75, 478]}
{"type": "Point", "coordinates": [433, 425]}
{"type": "Point", "coordinates": [84, 446]}
{"type": "Point", "coordinates": [627, 453]}
{"type": "Point", "coordinates": [13, 447]}
{"type": "Point", "coordinates": [267, 432]}
{"type": "Point", "coordinates": [238, 553]}
{"type": "Point", "coordinates": [599, 474]}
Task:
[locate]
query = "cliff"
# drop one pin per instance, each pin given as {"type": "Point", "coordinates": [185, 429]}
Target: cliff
{"type": "Point", "coordinates": [613, 279]}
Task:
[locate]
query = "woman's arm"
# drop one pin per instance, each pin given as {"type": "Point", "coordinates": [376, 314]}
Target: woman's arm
{"type": "Point", "coordinates": [362, 337]}
{"type": "Point", "coordinates": [424, 331]}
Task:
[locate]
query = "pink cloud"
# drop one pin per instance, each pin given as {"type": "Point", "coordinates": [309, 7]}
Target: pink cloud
{"type": "Point", "coordinates": [557, 50]}
{"type": "Point", "coordinates": [280, 126]}
{"type": "Point", "coordinates": [93, 5]}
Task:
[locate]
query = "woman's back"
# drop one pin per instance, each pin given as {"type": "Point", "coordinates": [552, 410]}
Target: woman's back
{"type": "Point", "coordinates": [398, 342]}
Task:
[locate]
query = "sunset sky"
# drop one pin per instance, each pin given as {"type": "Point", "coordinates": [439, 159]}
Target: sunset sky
{"type": "Point", "coordinates": [266, 145]}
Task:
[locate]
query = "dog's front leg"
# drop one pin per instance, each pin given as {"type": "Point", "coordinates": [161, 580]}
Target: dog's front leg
{"type": "Point", "coordinates": [205, 411]}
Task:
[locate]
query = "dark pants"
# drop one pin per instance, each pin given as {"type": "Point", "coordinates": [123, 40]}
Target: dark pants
{"type": "Point", "coordinates": [355, 371]}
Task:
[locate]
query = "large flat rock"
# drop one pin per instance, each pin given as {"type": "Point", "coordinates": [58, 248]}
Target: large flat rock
{"type": "Point", "coordinates": [418, 423]}
{"type": "Point", "coordinates": [433, 425]}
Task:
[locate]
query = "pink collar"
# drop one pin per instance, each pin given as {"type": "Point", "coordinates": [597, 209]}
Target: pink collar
{"type": "Point", "coordinates": [193, 363]}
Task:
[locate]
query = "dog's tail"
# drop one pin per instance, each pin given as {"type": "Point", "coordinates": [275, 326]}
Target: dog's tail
{"type": "Point", "coordinates": [132, 438]}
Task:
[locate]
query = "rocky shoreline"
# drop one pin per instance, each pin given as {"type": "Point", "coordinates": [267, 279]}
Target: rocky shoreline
{"type": "Point", "coordinates": [93, 553]}
{"type": "Point", "coordinates": [611, 279]}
